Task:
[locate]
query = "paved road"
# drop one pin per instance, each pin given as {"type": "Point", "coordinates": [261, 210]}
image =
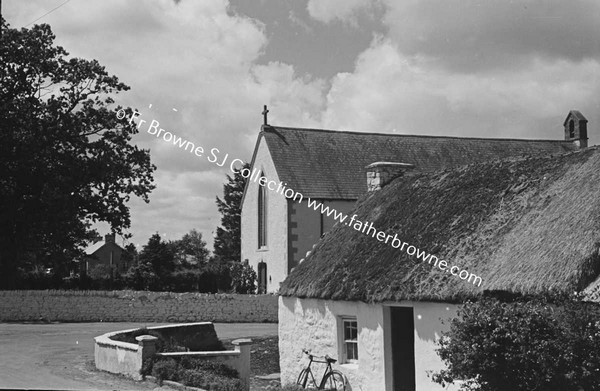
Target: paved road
{"type": "Point", "coordinates": [60, 355]}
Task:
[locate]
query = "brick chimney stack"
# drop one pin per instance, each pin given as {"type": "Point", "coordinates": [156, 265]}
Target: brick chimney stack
{"type": "Point", "coordinates": [110, 238]}
{"type": "Point", "coordinates": [380, 174]}
{"type": "Point", "coordinates": [576, 128]}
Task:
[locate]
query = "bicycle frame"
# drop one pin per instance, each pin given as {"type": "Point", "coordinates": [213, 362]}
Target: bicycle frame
{"type": "Point", "coordinates": [328, 369]}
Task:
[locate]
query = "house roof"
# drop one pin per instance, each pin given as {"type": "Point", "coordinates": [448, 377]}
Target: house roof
{"type": "Point", "coordinates": [92, 248]}
{"type": "Point", "coordinates": [331, 164]}
{"type": "Point", "coordinates": [526, 226]}
{"type": "Point", "coordinates": [575, 114]}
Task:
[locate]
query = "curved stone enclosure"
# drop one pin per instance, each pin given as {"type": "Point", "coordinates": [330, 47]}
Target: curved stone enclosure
{"type": "Point", "coordinates": [127, 358]}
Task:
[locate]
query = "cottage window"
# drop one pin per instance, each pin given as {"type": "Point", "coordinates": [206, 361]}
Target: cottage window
{"type": "Point", "coordinates": [350, 340]}
{"type": "Point", "coordinates": [262, 214]}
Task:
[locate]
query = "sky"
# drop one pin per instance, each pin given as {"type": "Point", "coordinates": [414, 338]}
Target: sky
{"type": "Point", "coordinates": [204, 69]}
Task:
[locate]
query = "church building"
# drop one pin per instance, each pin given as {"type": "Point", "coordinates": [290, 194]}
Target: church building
{"type": "Point", "coordinates": [328, 168]}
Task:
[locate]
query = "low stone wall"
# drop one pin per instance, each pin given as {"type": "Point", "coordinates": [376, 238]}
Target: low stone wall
{"type": "Point", "coordinates": [135, 306]}
{"type": "Point", "coordinates": [121, 357]}
{"type": "Point", "coordinates": [127, 358]}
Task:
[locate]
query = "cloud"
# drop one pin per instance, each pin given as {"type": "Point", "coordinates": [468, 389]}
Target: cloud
{"type": "Point", "coordinates": [341, 10]}
{"type": "Point", "coordinates": [196, 57]}
{"type": "Point", "coordinates": [473, 35]}
{"type": "Point", "coordinates": [391, 92]}
{"type": "Point", "coordinates": [448, 67]}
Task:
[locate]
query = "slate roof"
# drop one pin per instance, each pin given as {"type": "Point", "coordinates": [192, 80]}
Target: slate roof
{"type": "Point", "coordinates": [528, 226]}
{"type": "Point", "coordinates": [92, 248]}
{"type": "Point", "coordinates": [331, 164]}
{"type": "Point", "coordinates": [576, 114]}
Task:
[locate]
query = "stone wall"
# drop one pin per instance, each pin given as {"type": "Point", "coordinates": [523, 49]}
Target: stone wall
{"type": "Point", "coordinates": [135, 306]}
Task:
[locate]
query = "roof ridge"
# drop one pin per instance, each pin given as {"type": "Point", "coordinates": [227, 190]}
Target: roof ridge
{"type": "Point", "coordinates": [414, 135]}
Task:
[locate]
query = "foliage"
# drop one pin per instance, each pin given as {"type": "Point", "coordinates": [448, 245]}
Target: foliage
{"type": "Point", "coordinates": [227, 245]}
{"type": "Point", "coordinates": [165, 370]}
{"type": "Point", "coordinates": [66, 160]}
{"type": "Point", "coordinates": [243, 278]}
{"type": "Point", "coordinates": [190, 250]}
{"type": "Point", "coordinates": [130, 255]}
{"type": "Point", "coordinates": [156, 263]}
{"type": "Point", "coordinates": [178, 266]}
{"type": "Point", "coordinates": [100, 271]}
{"type": "Point", "coordinates": [159, 255]}
{"type": "Point", "coordinates": [533, 344]}
{"type": "Point", "coordinates": [193, 372]}
{"type": "Point", "coordinates": [141, 276]}
{"type": "Point", "coordinates": [292, 387]}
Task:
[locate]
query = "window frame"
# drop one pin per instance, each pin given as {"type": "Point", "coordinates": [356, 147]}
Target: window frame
{"type": "Point", "coordinates": [345, 342]}
{"type": "Point", "coordinates": [262, 214]}
{"type": "Point", "coordinates": [571, 128]}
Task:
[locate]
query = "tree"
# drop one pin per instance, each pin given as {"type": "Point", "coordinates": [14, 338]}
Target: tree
{"type": "Point", "coordinates": [130, 256]}
{"type": "Point", "coordinates": [243, 278]}
{"type": "Point", "coordinates": [522, 345]}
{"type": "Point", "coordinates": [158, 257]}
{"type": "Point", "coordinates": [66, 160]}
{"type": "Point", "coordinates": [227, 245]}
{"type": "Point", "coordinates": [190, 250]}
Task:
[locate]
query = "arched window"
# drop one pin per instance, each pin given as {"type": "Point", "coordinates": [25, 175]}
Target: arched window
{"type": "Point", "coordinates": [571, 129]}
{"type": "Point", "coordinates": [262, 214]}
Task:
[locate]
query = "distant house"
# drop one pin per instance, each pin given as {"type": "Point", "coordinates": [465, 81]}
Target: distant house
{"type": "Point", "coordinates": [527, 225]}
{"type": "Point", "coordinates": [106, 253]}
{"type": "Point", "coordinates": [329, 167]}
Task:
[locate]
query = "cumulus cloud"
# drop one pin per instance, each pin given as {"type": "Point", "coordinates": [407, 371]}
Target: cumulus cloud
{"type": "Point", "coordinates": [471, 35]}
{"type": "Point", "coordinates": [341, 10]}
{"type": "Point", "coordinates": [196, 57]}
{"type": "Point", "coordinates": [392, 92]}
{"type": "Point", "coordinates": [449, 67]}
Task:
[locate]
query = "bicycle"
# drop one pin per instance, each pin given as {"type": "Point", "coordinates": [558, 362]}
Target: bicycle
{"type": "Point", "coordinates": [331, 380]}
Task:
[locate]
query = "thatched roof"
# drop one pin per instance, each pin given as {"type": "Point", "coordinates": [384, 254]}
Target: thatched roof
{"type": "Point", "coordinates": [330, 164]}
{"type": "Point", "coordinates": [526, 226]}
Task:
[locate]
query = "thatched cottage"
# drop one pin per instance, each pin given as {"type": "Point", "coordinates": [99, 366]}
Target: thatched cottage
{"type": "Point", "coordinates": [527, 225]}
{"type": "Point", "coordinates": [328, 166]}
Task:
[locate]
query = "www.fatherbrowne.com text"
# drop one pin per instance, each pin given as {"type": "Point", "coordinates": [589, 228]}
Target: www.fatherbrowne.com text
{"type": "Point", "coordinates": [365, 227]}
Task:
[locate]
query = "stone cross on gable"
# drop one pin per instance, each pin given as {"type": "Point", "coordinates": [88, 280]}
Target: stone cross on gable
{"type": "Point", "coordinates": [264, 113]}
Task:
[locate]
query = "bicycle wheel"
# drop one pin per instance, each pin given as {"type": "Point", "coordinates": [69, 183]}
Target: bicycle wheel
{"type": "Point", "coordinates": [334, 380]}
{"type": "Point", "coordinates": [303, 378]}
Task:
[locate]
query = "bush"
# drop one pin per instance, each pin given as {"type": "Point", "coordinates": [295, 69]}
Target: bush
{"type": "Point", "coordinates": [210, 381]}
{"type": "Point", "coordinates": [165, 370]}
{"type": "Point", "coordinates": [141, 276]}
{"type": "Point", "coordinates": [217, 368]}
{"type": "Point", "coordinates": [211, 376]}
{"type": "Point", "coordinates": [292, 387]}
{"type": "Point", "coordinates": [523, 345]}
{"type": "Point", "coordinates": [243, 278]}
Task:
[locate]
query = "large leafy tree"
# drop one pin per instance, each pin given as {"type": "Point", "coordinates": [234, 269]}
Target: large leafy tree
{"type": "Point", "coordinates": [66, 159]}
{"type": "Point", "coordinates": [227, 245]}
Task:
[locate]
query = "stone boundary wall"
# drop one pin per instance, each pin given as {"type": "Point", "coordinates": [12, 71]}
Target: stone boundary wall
{"type": "Point", "coordinates": [135, 306]}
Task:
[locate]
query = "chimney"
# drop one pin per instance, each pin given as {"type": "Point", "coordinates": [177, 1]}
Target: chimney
{"type": "Point", "coordinates": [110, 238]}
{"type": "Point", "coordinates": [576, 128]}
{"type": "Point", "coordinates": [380, 174]}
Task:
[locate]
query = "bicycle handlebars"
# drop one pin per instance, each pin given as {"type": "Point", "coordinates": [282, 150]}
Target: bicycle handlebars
{"type": "Point", "coordinates": [311, 356]}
